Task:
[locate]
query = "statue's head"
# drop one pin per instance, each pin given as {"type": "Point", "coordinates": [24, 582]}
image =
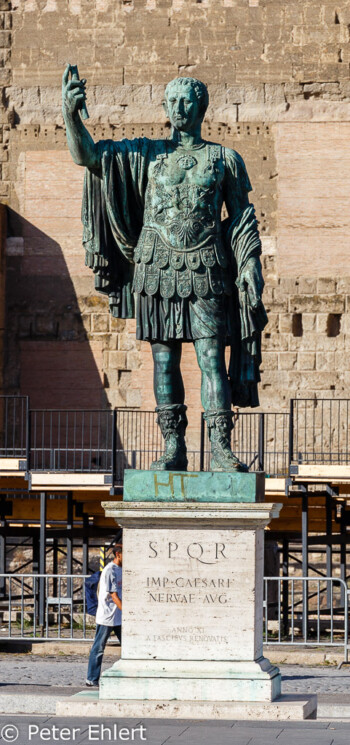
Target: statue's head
{"type": "Point", "coordinates": [186, 101]}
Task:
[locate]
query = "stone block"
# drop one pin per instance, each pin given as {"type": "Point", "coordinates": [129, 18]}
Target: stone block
{"type": "Point", "coordinates": [275, 342]}
{"type": "Point", "coordinates": [329, 343]}
{"type": "Point", "coordinates": [306, 361]}
{"type": "Point", "coordinates": [273, 323]}
{"type": "Point", "coordinates": [117, 360]}
{"type": "Point", "coordinates": [5, 39]}
{"type": "Point", "coordinates": [306, 285]}
{"type": "Point", "coordinates": [341, 362]}
{"type": "Point", "coordinates": [127, 341]}
{"type": "Point", "coordinates": [309, 322]}
{"type": "Point", "coordinates": [287, 707]}
{"type": "Point", "coordinates": [274, 93]}
{"type": "Point", "coordinates": [133, 398]}
{"type": "Point", "coordinates": [316, 303]}
{"type": "Point", "coordinates": [345, 323]}
{"type": "Point", "coordinates": [285, 323]}
{"type": "Point", "coordinates": [326, 285]}
{"type": "Point", "coordinates": [116, 324]}
{"type": "Point", "coordinates": [133, 360]}
{"type": "Point", "coordinates": [270, 361]}
{"type": "Point", "coordinates": [287, 360]}
{"type": "Point", "coordinates": [141, 94]}
{"type": "Point", "coordinates": [245, 94]}
{"type": "Point", "coordinates": [321, 322]}
{"type": "Point", "coordinates": [100, 322]}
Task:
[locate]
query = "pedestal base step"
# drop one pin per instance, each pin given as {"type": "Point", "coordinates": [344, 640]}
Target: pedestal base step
{"type": "Point", "coordinates": [287, 707]}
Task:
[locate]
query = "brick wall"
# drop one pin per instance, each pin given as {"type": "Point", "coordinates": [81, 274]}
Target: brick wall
{"type": "Point", "coordinates": [279, 83]}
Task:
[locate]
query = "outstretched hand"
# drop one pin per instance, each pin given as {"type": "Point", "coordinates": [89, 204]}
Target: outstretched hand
{"type": "Point", "coordinates": [73, 93]}
{"type": "Point", "coordinates": [252, 281]}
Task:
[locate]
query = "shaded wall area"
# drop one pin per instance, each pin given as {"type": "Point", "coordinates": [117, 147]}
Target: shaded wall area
{"type": "Point", "coordinates": [3, 221]}
{"type": "Point", "coordinates": [279, 83]}
{"type": "Point", "coordinates": [50, 356]}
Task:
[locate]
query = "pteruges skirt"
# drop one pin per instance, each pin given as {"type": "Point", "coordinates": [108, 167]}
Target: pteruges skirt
{"type": "Point", "coordinates": [182, 319]}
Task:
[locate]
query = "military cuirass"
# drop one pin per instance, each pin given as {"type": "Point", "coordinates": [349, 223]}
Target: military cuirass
{"type": "Point", "coordinates": [180, 248]}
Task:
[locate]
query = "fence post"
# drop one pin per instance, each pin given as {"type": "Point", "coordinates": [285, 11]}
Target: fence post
{"type": "Point", "coordinates": [305, 562]}
{"type": "Point", "coordinates": [285, 588]}
{"type": "Point", "coordinates": [69, 546]}
{"type": "Point", "coordinates": [42, 560]}
{"type": "Point", "coordinates": [28, 439]}
{"type": "Point", "coordinates": [261, 442]}
{"type": "Point", "coordinates": [346, 626]}
{"type": "Point", "coordinates": [85, 543]}
{"type": "Point", "coordinates": [201, 453]}
{"type": "Point", "coordinates": [114, 447]}
{"type": "Point", "coordinates": [291, 432]}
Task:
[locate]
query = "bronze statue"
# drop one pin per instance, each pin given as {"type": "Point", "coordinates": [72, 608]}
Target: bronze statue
{"type": "Point", "coordinates": [154, 238]}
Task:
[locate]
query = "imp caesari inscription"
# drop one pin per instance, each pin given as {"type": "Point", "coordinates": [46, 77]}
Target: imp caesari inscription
{"type": "Point", "coordinates": [167, 589]}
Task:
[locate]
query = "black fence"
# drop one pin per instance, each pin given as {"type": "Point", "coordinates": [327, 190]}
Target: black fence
{"type": "Point", "coordinates": [13, 426]}
{"type": "Point", "coordinates": [109, 441]}
{"type": "Point", "coordinates": [65, 440]}
{"type": "Point", "coordinates": [319, 431]}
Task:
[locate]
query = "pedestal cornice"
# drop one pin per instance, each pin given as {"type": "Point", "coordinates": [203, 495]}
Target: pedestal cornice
{"type": "Point", "coordinates": [168, 514]}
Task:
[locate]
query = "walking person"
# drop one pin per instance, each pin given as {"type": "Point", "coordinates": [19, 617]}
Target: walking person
{"type": "Point", "coordinates": [109, 613]}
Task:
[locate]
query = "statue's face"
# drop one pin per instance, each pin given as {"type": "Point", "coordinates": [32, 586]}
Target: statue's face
{"type": "Point", "coordinates": [182, 107]}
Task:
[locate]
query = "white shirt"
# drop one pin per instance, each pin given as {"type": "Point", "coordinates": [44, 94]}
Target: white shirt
{"type": "Point", "coordinates": [108, 614]}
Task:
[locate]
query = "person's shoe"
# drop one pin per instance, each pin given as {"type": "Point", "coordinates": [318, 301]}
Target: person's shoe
{"type": "Point", "coordinates": [91, 684]}
{"type": "Point", "coordinates": [219, 425]}
{"type": "Point", "coordinates": [172, 421]}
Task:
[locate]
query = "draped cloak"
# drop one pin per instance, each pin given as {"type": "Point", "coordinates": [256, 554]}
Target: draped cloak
{"type": "Point", "coordinates": [112, 216]}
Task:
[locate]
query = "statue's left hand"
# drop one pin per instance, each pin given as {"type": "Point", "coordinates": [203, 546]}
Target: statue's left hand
{"type": "Point", "coordinates": [252, 280]}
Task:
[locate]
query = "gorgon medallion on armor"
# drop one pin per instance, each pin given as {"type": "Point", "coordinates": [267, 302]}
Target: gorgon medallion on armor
{"type": "Point", "coordinates": [186, 162]}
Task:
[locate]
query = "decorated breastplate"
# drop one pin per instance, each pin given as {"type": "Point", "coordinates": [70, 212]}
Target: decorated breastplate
{"type": "Point", "coordinates": [183, 196]}
{"type": "Point", "coordinates": [180, 249]}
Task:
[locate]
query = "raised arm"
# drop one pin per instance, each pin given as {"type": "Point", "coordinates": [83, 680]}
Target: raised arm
{"type": "Point", "coordinates": [81, 145]}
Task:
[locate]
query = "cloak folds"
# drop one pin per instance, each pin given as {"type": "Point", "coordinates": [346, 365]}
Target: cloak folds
{"type": "Point", "coordinates": [247, 323]}
{"type": "Point", "coordinates": [112, 216]}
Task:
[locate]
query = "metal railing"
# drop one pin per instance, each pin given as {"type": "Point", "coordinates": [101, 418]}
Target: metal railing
{"type": "Point", "coordinates": [13, 424]}
{"type": "Point", "coordinates": [297, 610]}
{"type": "Point", "coordinates": [65, 440]}
{"type": "Point", "coordinates": [45, 606]}
{"type": "Point", "coordinates": [306, 611]}
{"type": "Point", "coordinates": [313, 431]}
{"type": "Point", "coordinates": [320, 431]}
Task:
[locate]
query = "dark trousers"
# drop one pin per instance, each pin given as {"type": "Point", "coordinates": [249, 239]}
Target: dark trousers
{"type": "Point", "coordinates": [96, 654]}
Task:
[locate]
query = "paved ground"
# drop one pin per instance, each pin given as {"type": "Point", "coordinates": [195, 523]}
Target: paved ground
{"type": "Point", "coordinates": [26, 671]}
{"type": "Point", "coordinates": [24, 730]}
{"type": "Point", "coordinates": [25, 676]}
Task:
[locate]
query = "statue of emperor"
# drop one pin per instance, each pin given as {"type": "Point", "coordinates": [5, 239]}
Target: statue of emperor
{"type": "Point", "coordinates": [155, 239]}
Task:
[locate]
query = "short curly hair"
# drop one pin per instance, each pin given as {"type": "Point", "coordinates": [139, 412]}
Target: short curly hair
{"type": "Point", "coordinates": [199, 88]}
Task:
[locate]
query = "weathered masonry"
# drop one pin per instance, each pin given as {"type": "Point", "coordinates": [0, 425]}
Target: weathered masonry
{"type": "Point", "coordinates": [279, 83]}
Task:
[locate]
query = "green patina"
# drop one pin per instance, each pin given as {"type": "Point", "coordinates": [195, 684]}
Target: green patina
{"type": "Point", "coordinates": [200, 486]}
{"type": "Point", "coordinates": [153, 232]}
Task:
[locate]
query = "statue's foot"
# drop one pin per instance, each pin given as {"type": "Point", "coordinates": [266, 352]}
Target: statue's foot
{"type": "Point", "coordinates": [165, 463]}
{"type": "Point", "coordinates": [227, 462]}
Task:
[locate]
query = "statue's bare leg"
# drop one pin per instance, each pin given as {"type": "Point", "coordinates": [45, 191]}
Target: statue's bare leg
{"type": "Point", "coordinates": [170, 395]}
{"type": "Point", "coordinates": [167, 379]}
{"type": "Point", "coordinates": [216, 402]}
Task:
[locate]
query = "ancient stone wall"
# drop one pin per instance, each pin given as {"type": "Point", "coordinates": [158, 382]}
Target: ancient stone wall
{"type": "Point", "coordinates": [279, 83]}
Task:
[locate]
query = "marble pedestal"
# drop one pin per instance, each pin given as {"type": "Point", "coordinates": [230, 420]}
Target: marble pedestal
{"type": "Point", "coordinates": [192, 599]}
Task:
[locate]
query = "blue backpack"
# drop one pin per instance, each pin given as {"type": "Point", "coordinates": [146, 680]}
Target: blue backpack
{"type": "Point", "coordinates": [91, 599]}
